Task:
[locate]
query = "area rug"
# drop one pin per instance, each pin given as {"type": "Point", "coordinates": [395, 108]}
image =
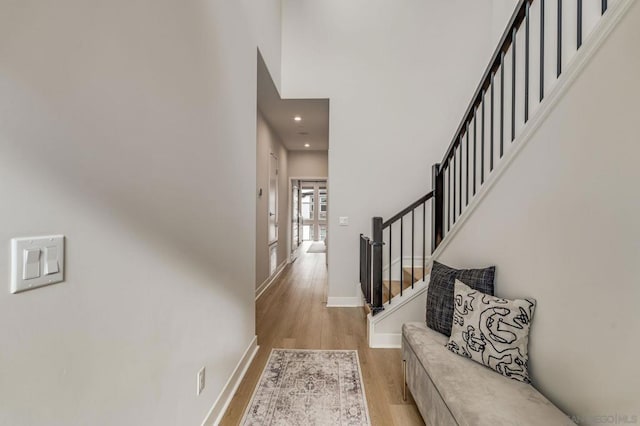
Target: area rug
{"type": "Point", "coordinates": [317, 247]}
{"type": "Point", "coordinates": [309, 387]}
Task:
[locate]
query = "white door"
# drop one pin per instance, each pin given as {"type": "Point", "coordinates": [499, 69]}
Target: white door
{"type": "Point", "coordinates": [273, 199]}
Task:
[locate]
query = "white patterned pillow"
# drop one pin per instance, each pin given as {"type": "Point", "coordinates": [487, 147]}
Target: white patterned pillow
{"type": "Point", "coordinates": [492, 331]}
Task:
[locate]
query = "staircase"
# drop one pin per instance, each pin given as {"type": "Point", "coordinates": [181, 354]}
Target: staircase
{"type": "Point", "coordinates": [393, 288]}
{"type": "Point", "coordinates": [530, 65]}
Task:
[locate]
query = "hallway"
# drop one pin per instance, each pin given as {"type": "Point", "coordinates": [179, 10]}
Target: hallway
{"type": "Point", "coordinates": [292, 314]}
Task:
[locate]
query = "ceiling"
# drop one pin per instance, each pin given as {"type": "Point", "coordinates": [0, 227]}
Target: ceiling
{"type": "Point", "coordinates": [312, 129]}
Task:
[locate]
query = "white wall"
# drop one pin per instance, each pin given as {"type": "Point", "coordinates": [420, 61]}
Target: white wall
{"type": "Point", "coordinates": [399, 76]}
{"type": "Point", "coordinates": [561, 225]}
{"type": "Point", "coordinates": [268, 142]}
{"type": "Point", "coordinates": [501, 11]}
{"type": "Point", "coordinates": [130, 128]}
{"type": "Point", "coordinates": [308, 164]}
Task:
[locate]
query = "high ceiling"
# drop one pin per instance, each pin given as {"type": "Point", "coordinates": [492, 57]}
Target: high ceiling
{"type": "Point", "coordinates": [313, 129]}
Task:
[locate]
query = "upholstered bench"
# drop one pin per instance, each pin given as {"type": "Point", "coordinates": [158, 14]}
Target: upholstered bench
{"type": "Point", "coordinates": [452, 390]}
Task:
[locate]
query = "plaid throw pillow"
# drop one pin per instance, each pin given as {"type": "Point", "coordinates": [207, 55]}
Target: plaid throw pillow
{"type": "Point", "coordinates": [440, 292]}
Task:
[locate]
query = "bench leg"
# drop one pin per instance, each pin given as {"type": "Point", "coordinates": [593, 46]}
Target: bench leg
{"type": "Point", "coordinates": [404, 380]}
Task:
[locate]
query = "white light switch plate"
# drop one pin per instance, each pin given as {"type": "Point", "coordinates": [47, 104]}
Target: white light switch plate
{"type": "Point", "coordinates": [343, 220]}
{"type": "Point", "coordinates": [36, 262]}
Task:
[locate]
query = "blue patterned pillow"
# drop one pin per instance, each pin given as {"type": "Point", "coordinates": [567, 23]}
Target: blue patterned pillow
{"type": "Point", "coordinates": [440, 292]}
{"type": "Point", "coordinates": [492, 331]}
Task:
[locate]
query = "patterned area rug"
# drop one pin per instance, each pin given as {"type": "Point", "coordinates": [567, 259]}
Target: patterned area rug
{"type": "Point", "coordinates": [309, 387]}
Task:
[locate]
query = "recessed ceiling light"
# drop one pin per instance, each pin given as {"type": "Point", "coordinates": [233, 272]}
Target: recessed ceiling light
{"type": "Point", "coordinates": [306, 145]}
{"type": "Point", "coordinates": [297, 118]}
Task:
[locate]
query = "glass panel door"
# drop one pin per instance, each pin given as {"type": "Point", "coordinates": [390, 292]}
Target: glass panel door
{"type": "Point", "coordinates": [313, 210]}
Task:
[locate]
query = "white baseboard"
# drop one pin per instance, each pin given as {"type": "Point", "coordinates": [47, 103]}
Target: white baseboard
{"type": "Point", "coordinates": [394, 315]}
{"type": "Point", "coordinates": [265, 285]}
{"type": "Point", "coordinates": [344, 302]}
{"type": "Point", "coordinates": [229, 389]}
{"type": "Point", "coordinates": [385, 340]}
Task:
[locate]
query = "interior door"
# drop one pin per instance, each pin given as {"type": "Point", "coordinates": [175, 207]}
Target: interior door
{"type": "Point", "coordinates": [273, 199]}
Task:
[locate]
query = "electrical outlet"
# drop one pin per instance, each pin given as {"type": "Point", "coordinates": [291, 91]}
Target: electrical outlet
{"type": "Point", "coordinates": [200, 381]}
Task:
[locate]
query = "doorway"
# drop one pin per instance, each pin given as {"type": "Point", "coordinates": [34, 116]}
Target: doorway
{"type": "Point", "coordinates": [309, 213]}
{"type": "Point", "coordinates": [313, 210]}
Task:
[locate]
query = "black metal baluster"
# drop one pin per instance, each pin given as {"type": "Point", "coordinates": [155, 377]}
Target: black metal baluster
{"type": "Point", "coordinates": [491, 127]}
{"type": "Point", "coordinates": [454, 186]}
{"type": "Point", "coordinates": [604, 6]}
{"type": "Point", "coordinates": [559, 53]}
{"type": "Point", "coordinates": [401, 254]}
{"type": "Point", "coordinates": [424, 232]}
{"type": "Point", "coordinates": [501, 104]}
{"type": "Point", "coordinates": [460, 171]}
{"type": "Point", "coordinates": [482, 145]}
{"type": "Point", "coordinates": [526, 64]}
{"type": "Point", "coordinates": [413, 230]}
{"type": "Point", "coordinates": [368, 274]}
{"type": "Point", "coordinates": [541, 50]}
{"type": "Point", "coordinates": [448, 196]}
{"type": "Point", "coordinates": [466, 186]}
{"type": "Point", "coordinates": [579, 35]}
{"type": "Point", "coordinates": [513, 84]}
{"type": "Point", "coordinates": [475, 143]}
{"type": "Point", "coordinates": [437, 212]}
{"type": "Point", "coordinates": [390, 259]}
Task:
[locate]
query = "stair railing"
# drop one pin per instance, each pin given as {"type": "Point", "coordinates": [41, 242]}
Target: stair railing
{"type": "Point", "coordinates": [493, 115]}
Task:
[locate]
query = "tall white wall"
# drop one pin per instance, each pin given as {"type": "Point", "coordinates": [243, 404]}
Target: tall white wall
{"type": "Point", "coordinates": [130, 128]}
{"type": "Point", "coordinates": [561, 224]}
{"type": "Point", "coordinates": [269, 143]}
{"type": "Point", "coordinates": [399, 76]}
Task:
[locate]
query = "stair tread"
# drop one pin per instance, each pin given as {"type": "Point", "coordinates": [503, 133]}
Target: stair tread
{"type": "Point", "coordinates": [418, 274]}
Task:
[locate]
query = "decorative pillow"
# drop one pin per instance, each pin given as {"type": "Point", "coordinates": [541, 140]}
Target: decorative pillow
{"type": "Point", "coordinates": [440, 292]}
{"type": "Point", "coordinates": [492, 331]}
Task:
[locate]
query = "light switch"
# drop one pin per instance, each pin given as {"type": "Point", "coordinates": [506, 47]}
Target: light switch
{"type": "Point", "coordinates": [344, 220]}
{"type": "Point", "coordinates": [30, 263]}
{"type": "Point", "coordinates": [36, 262]}
{"type": "Point", "coordinates": [51, 260]}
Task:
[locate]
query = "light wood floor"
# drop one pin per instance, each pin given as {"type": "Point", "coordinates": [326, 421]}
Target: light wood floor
{"type": "Point", "coordinates": [292, 313]}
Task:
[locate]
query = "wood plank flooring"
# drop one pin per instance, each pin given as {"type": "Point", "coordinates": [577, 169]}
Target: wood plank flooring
{"type": "Point", "coordinates": [292, 313]}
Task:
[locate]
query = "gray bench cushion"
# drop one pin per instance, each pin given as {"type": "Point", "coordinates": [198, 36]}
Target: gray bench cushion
{"type": "Point", "coordinates": [474, 394]}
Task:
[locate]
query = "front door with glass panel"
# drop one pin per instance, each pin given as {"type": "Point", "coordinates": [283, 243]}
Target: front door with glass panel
{"type": "Point", "coordinates": [313, 210]}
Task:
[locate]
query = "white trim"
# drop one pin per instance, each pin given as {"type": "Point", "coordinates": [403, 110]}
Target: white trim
{"type": "Point", "coordinates": [344, 302]}
{"type": "Point", "coordinates": [385, 340]}
{"type": "Point", "coordinates": [573, 70]}
{"type": "Point", "coordinates": [392, 340]}
{"type": "Point", "coordinates": [399, 301]}
{"type": "Point", "coordinates": [267, 283]}
{"type": "Point", "coordinates": [229, 389]}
